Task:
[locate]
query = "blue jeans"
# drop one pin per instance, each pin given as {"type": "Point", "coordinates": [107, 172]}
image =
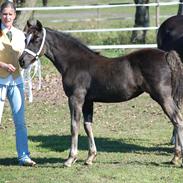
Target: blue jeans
{"type": "Point", "coordinates": [15, 95]}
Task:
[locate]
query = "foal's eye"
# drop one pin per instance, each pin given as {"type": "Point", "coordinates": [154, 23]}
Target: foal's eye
{"type": "Point", "coordinates": [36, 41]}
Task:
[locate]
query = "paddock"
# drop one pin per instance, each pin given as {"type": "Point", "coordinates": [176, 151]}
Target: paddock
{"type": "Point", "coordinates": [123, 156]}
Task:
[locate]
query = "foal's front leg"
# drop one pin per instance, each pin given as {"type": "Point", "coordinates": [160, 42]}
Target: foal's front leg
{"type": "Point", "coordinates": [75, 106]}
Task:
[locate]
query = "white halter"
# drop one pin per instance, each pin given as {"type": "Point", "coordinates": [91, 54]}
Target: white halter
{"type": "Point", "coordinates": [36, 55]}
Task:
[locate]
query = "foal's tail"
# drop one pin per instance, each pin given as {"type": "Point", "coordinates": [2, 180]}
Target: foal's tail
{"type": "Point", "coordinates": [176, 67]}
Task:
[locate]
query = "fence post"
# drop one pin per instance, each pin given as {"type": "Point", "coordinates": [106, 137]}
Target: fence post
{"type": "Point", "coordinates": [157, 13]}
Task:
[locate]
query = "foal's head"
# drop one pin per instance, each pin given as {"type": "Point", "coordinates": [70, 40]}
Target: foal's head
{"type": "Point", "coordinates": [35, 38]}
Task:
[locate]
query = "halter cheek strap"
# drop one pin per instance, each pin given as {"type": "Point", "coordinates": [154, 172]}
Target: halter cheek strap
{"type": "Point", "coordinates": [36, 55]}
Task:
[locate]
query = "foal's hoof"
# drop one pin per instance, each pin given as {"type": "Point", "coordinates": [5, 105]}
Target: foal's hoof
{"type": "Point", "coordinates": [90, 159]}
{"type": "Point", "coordinates": [175, 160]}
{"type": "Point", "coordinates": [70, 161]}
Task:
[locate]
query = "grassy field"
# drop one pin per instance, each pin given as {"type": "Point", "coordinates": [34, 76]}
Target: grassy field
{"type": "Point", "coordinates": [132, 138]}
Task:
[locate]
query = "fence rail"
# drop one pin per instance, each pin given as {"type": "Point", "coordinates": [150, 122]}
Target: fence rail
{"type": "Point", "coordinates": [101, 47]}
{"type": "Point", "coordinates": [112, 30]}
{"type": "Point", "coordinates": [97, 6]}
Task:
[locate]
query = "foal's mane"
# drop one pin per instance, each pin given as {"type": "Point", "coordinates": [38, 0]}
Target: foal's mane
{"type": "Point", "coordinates": [72, 41]}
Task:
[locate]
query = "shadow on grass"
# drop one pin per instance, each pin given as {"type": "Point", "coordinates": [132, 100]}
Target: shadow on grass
{"type": "Point", "coordinates": [58, 163]}
{"type": "Point", "coordinates": [8, 161]}
{"type": "Point", "coordinates": [62, 143]}
{"type": "Point", "coordinates": [40, 161]}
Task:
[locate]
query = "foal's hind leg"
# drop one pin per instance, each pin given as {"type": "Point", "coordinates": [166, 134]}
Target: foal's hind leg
{"type": "Point", "coordinates": [177, 154]}
{"type": "Point", "coordinates": [88, 116]}
{"type": "Point", "coordinates": [175, 116]}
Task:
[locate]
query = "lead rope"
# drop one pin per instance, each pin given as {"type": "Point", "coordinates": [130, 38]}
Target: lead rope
{"type": "Point", "coordinates": [35, 68]}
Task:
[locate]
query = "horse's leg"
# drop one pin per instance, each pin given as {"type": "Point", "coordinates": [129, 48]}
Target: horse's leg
{"type": "Point", "coordinates": [177, 154]}
{"type": "Point", "coordinates": [88, 116]}
{"type": "Point", "coordinates": [75, 106]}
{"type": "Point", "coordinates": [178, 144]}
{"type": "Point", "coordinates": [134, 36]}
{"type": "Point", "coordinates": [144, 36]}
{"type": "Point", "coordinates": [175, 116]}
{"type": "Point", "coordinates": [172, 140]}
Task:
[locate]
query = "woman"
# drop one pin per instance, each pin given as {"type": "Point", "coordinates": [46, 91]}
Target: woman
{"type": "Point", "coordinates": [12, 43]}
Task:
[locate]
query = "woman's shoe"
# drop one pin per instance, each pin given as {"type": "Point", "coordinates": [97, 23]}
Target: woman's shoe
{"type": "Point", "coordinates": [26, 161]}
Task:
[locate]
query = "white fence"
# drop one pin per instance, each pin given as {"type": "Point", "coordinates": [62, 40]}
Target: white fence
{"type": "Point", "coordinates": [157, 5]}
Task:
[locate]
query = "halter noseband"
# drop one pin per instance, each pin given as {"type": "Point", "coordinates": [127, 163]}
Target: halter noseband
{"type": "Point", "coordinates": [36, 55]}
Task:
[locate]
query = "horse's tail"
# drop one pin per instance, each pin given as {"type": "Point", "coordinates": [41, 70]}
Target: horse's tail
{"type": "Point", "coordinates": [176, 67]}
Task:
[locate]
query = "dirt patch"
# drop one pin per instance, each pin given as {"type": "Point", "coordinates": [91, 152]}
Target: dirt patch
{"type": "Point", "coordinates": [51, 90]}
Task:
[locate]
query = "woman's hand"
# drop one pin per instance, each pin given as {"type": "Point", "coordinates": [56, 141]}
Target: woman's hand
{"type": "Point", "coordinates": [8, 67]}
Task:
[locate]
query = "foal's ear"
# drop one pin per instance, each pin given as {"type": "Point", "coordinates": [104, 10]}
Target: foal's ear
{"type": "Point", "coordinates": [31, 22]}
{"type": "Point", "coordinates": [34, 23]}
{"type": "Point", "coordinates": [39, 25]}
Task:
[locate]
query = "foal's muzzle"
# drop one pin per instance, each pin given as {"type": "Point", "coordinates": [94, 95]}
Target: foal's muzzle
{"type": "Point", "coordinates": [22, 63]}
{"type": "Point", "coordinates": [25, 60]}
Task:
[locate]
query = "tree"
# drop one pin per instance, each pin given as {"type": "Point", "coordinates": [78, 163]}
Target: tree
{"type": "Point", "coordinates": [141, 20]}
{"type": "Point", "coordinates": [45, 2]}
{"type": "Point", "coordinates": [24, 15]}
{"type": "Point", "coordinates": [180, 10]}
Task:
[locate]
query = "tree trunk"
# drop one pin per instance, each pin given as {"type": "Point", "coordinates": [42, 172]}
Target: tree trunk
{"type": "Point", "coordinates": [180, 10]}
{"type": "Point", "coordinates": [45, 2]}
{"type": "Point", "coordinates": [23, 16]}
{"type": "Point", "coordinates": [141, 20]}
